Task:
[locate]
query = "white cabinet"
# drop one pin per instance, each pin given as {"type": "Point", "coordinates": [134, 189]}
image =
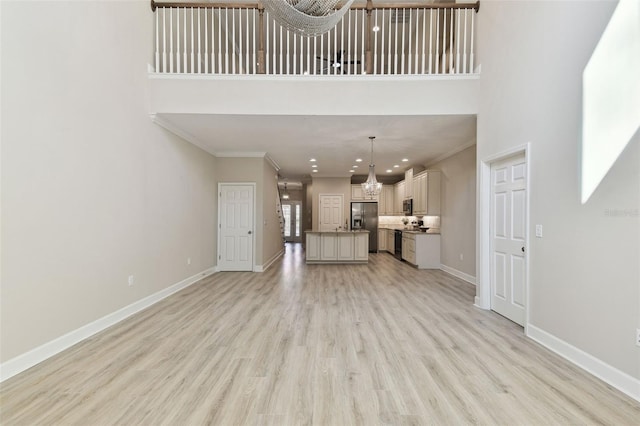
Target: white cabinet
{"type": "Point", "coordinates": [382, 239]}
{"type": "Point", "coordinates": [345, 246]}
{"type": "Point", "coordinates": [329, 246]}
{"type": "Point", "coordinates": [426, 189]}
{"type": "Point", "coordinates": [408, 183]}
{"type": "Point", "coordinates": [361, 247]}
{"type": "Point", "coordinates": [386, 201]}
{"type": "Point", "coordinates": [409, 247]}
{"type": "Point", "coordinates": [398, 197]}
{"type": "Point", "coordinates": [421, 249]}
{"type": "Point", "coordinates": [391, 241]}
{"type": "Point", "coordinates": [337, 247]}
{"type": "Point", "coordinates": [357, 194]}
{"type": "Point", "coordinates": [313, 247]}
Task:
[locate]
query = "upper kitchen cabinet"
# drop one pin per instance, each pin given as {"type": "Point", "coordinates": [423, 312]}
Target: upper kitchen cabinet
{"type": "Point", "coordinates": [398, 196]}
{"type": "Point", "coordinates": [426, 193]}
{"type": "Point", "coordinates": [386, 201]}
{"type": "Point", "coordinates": [357, 194]}
{"type": "Point", "coordinates": [408, 181]}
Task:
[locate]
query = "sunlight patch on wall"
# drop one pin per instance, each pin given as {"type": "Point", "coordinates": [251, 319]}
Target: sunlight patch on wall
{"type": "Point", "coordinates": [611, 95]}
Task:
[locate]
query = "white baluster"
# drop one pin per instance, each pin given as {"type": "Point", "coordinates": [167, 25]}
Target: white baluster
{"type": "Point", "coordinates": [178, 40]}
{"type": "Point", "coordinates": [473, 14]}
{"type": "Point", "coordinates": [255, 44]}
{"type": "Point", "coordinates": [464, 50]}
{"type": "Point", "coordinates": [458, 42]}
{"type": "Point", "coordinates": [281, 50]}
{"type": "Point", "coordinates": [184, 52]}
{"type": "Point", "coordinates": [375, 42]}
{"type": "Point", "coordinates": [171, 40]}
{"type": "Point", "coordinates": [431, 40]}
{"type": "Point", "coordinates": [395, 54]}
{"type": "Point", "coordinates": [226, 41]}
{"type": "Point", "coordinates": [206, 43]}
{"type": "Point", "coordinates": [164, 39]}
{"type": "Point", "coordinates": [157, 41]}
{"type": "Point", "coordinates": [409, 50]}
{"type": "Point", "coordinates": [363, 62]}
{"type": "Point", "coordinates": [192, 46]}
{"type": "Point", "coordinates": [424, 36]}
{"type": "Point", "coordinates": [240, 46]}
{"type": "Point", "coordinates": [451, 43]}
{"type": "Point", "coordinates": [389, 49]}
{"type": "Point", "coordinates": [247, 47]}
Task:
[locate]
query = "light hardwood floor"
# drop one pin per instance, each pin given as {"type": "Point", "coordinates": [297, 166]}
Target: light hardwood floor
{"type": "Point", "coordinates": [372, 344]}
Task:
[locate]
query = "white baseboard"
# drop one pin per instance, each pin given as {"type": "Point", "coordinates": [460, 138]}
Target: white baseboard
{"type": "Point", "coordinates": [35, 356]}
{"type": "Point", "coordinates": [459, 274]}
{"type": "Point", "coordinates": [268, 263]}
{"type": "Point", "coordinates": [611, 375]}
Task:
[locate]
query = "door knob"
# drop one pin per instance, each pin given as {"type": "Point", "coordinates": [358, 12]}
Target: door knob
{"type": "Point", "coordinates": [522, 247]}
{"type": "Point", "coordinates": [250, 234]}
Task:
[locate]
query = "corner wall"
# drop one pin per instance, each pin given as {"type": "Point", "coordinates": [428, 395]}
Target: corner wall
{"type": "Point", "coordinates": [585, 272]}
{"type": "Point", "coordinates": [92, 190]}
{"type": "Point", "coordinates": [458, 213]}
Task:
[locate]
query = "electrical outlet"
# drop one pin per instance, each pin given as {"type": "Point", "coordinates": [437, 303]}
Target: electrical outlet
{"type": "Point", "coordinates": [131, 279]}
{"type": "Point", "coordinates": [637, 336]}
{"type": "Point", "coordinates": [188, 261]}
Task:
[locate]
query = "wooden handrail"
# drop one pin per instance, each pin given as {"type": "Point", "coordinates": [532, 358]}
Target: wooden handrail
{"type": "Point", "coordinates": [412, 5]}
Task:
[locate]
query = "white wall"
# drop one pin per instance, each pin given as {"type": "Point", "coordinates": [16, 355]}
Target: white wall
{"type": "Point", "coordinates": [92, 190]}
{"type": "Point", "coordinates": [585, 274]}
{"type": "Point", "coordinates": [458, 211]}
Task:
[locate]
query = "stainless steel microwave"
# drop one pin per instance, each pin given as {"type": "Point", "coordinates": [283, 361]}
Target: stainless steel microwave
{"type": "Point", "coordinates": [407, 207]}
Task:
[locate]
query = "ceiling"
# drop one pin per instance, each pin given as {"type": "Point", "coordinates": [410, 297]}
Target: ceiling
{"type": "Point", "coordinates": [334, 141]}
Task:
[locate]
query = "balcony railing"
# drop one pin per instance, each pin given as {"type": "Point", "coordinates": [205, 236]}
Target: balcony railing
{"type": "Point", "coordinates": [374, 39]}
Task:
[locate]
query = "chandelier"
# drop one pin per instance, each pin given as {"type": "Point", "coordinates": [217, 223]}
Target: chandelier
{"type": "Point", "coordinates": [307, 17]}
{"type": "Point", "coordinates": [371, 187]}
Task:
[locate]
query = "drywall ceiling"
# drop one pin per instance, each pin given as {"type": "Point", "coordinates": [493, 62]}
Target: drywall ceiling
{"type": "Point", "coordinates": [334, 141]}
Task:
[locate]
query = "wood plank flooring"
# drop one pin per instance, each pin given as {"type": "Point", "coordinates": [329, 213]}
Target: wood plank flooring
{"type": "Point", "coordinates": [372, 344]}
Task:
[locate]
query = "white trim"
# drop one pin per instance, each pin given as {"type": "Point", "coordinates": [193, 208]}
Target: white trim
{"type": "Point", "coordinates": [611, 375]}
{"type": "Point", "coordinates": [451, 153]}
{"type": "Point", "coordinates": [181, 133]}
{"type": "Point", "coordinates": [35, 356]}
{"type": "Point", "coordinates": [268, 263]}
{"type": "Point", "coordinates": [483, 255]}
{"type": "Point", "coordinates": [458, 274]}
{"type": "Point", "coordinates": [316, 77]}
{"type": "Point", "coordinates": [238, 154]}
{"type": "Point", "coordinates": [275, 165]}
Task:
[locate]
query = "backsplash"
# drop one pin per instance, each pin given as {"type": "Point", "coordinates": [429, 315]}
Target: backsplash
{"type": "Point", "coordinates": [396, 221]}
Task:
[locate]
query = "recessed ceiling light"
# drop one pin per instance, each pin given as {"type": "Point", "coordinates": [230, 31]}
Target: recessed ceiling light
{"type": "Point", "coordinates": [404, 160]}
{"type": "Point", "coordinates": [395, 166]}
{"type": "Point", "coordinates": [315, 170]}
{"type": "Point", "coordinates": [358, 160]}
{"type": "Point", "coordinates": [312, 160]}
{"type": "Point", "coordinates": [354, 166]}
{"type": "Point", "coordinates": [352, 171]}
{"type": "Point", "coordinates": [314, 166]}
{"type": "Point", "coordinates": [389, 170]}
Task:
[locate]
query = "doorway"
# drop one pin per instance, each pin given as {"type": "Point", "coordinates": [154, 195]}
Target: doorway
{"type": "Point", "coordinates": [331, 211]}
{"type": "Point", "coordinates": [503, 224]}
{"type": "Point", "coordinates": [235, 227]}
{"type": "Point", "coordinates": [292, 214]}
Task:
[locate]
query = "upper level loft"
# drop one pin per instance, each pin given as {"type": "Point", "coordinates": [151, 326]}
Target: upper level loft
{"type": "Point", "coordinates": [399, 39]}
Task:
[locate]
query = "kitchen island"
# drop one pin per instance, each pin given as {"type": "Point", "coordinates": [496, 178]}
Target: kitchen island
{"type": "Point", "coordinates": [337, 246]}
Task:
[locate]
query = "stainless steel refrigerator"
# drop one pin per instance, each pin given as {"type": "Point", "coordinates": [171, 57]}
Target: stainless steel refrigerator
{"type": "Point", "coordinates": [365, 216]}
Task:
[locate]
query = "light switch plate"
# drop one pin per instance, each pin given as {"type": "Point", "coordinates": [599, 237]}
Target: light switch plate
{"type": "Point", "coordinates": [539, 231]}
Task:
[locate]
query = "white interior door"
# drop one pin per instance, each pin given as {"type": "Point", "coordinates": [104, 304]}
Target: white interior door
{"type": "Point", "coordinates": [235, 236]}
{"type": "Point", "coordinates": [508, 270]}
{"type": "Point", "coordinates": [331, 211]}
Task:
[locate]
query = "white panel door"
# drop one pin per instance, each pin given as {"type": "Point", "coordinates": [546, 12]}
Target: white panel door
{"type": "Point", "coordinates": [331, 211]}
{"type": "Point", "coordinates": [235, 248]}
{"type": "Point", "coordinates": [508, 237]}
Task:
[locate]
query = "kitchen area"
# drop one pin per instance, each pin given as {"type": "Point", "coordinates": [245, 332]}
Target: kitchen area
{"type": "Point", "coordinates": [403, 221]}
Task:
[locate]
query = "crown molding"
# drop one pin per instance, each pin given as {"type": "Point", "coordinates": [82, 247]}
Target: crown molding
{"type": "Point", "coordinates": [451, 153]}
{"type": "Point", "coordinates": [181, 133]}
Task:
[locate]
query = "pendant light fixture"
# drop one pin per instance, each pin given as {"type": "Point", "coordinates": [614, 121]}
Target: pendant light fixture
{"type": "Point", "coordinates": [371, 187]}
{"type": "Point", "coordinates": [285, 194]}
